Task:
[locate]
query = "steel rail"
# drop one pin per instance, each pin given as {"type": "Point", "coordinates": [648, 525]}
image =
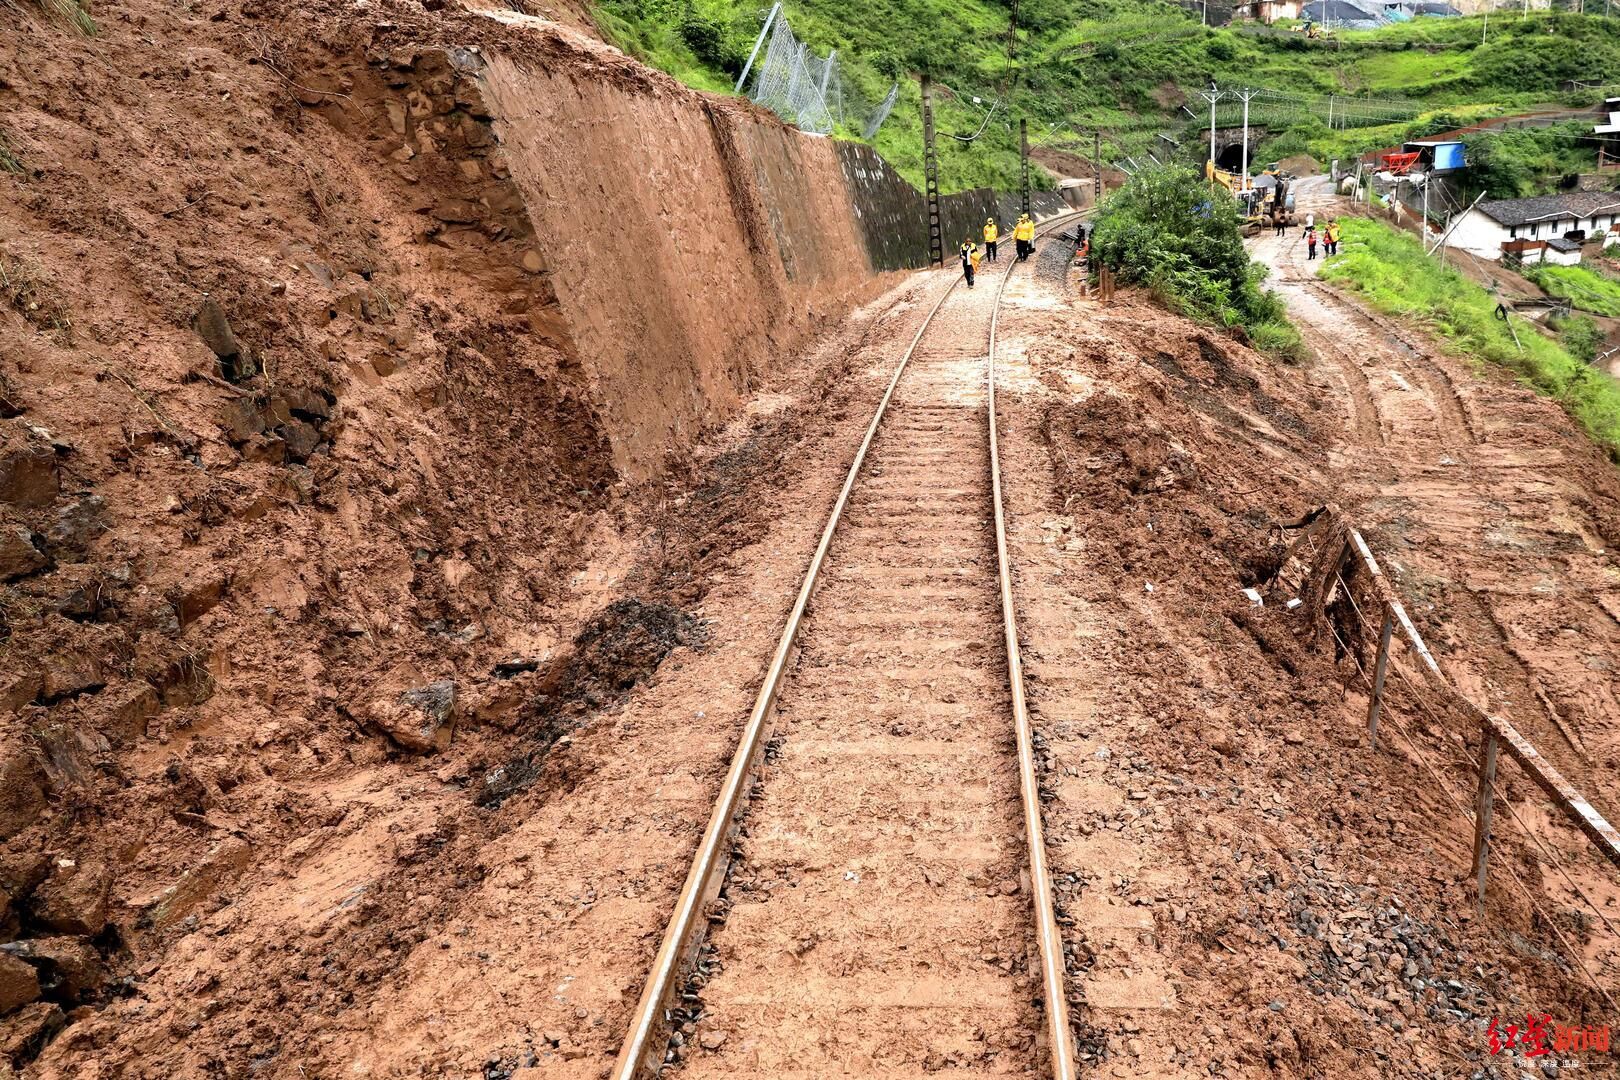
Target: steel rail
{"type": "Point", "coordinates": [1050, 938]}
{"type": "Point", "coordinates": [643, 1048]}
{"type": "Point", "coordinates": [642, 1052]}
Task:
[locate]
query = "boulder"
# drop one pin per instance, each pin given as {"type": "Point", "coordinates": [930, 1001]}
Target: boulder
{"type": "Point", "coordinates": [73, 899]}
{"type": "Point", "coordinates": [19, 982]}
{"type": "Point", "coordinates": [22, 787]}
{"type": "Point", "coordinates": [28, 476]}
{"type": "Point", "coordinates": [122, 711]}
{"type": "Point", "coordinates": [264, 448]}
{"type": "Point", "coordinates": [77, 526]}
{"type": "Point", "coordinates": [240, 420]}
{"type": "Point", "coordinates": [18, 553]}
{"type": "Point", "coordinates": [301, 439]}
{"type": "Point", "coordinates": [215, 329]}
{"type": "Point", "coordinates": [25, 1032]}
{"type": "Point", "coordinates": [68, 674]}
{"type": "Point", "coordinates": [69, 969]}
{"type": "Point", "coordinates": [421, 719]}
{"type": "Point", "coordinates": [20, 874]}
{"type": "Point", "coordinates": [290, 403]}
{"type": "Point", "coordinates": [198, 594]}
{"type": "Point", "coordinates": [458, 212]}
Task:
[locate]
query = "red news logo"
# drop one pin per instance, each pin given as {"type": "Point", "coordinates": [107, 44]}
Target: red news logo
{"type": "Point", "coordinates": [1540, 1036]}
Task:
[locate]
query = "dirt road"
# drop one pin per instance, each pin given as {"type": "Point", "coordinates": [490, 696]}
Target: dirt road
{"type": "Point", "coordinates": [1499, 517]}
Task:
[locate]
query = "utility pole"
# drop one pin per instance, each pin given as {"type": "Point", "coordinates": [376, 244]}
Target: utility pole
{"type": "Point", "coordinates": [936, 239]}
{"type": "Point", "coordinates": [1212, 95]}
{"type": "Point", "coordinates": [1246, 95]}
{"type": "Point", "coordinates": [1023, 160]}
{"type": "Point", "coordinates": [1096, 166]}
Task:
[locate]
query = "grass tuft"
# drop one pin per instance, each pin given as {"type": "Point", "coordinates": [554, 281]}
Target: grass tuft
{"type": "Point", "coordinates": [25, 286]}
{"type": "Point", "coordinates": [76, 13]}
{"type": "Point", "coordinates": [9, 161]}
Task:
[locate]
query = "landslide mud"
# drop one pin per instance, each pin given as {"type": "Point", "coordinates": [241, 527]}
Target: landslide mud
{"type": "Point", "coordinates": [1222, 840]}
{"type": "Point", "coordinates": [1497, 519]}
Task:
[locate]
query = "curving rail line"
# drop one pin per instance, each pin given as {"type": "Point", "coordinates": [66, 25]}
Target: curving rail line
{"type": "Point", "coordinates": [646, 1041]}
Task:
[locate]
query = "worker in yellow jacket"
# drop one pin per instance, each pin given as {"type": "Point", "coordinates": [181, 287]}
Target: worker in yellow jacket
{"type": "Point", "coordinates": [1024, 236]}
{"type": "Point", "coordinates": [991, 233]}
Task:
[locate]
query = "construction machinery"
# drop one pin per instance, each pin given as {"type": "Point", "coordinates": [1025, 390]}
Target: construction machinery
{"type": "Point", "coordinates": [1257, 202]}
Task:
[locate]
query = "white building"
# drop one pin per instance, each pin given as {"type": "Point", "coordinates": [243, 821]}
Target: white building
{"type": "Point", "coordinates": [1574, 215]}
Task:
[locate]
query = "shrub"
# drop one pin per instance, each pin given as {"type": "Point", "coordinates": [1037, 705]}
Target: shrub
{"type": "Point", "coordinates": [706, 40]}
{"type": "Point", "coordinates": [1166, 229]}
{"type": "Point", "coordinates": [1581, 336]}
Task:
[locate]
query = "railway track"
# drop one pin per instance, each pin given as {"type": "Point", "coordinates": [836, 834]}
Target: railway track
{"type": "Point", "coordinates": [869, 904]}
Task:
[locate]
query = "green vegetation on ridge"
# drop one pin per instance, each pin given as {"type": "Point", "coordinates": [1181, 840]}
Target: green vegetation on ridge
{"type": "Point", "coordinates": [1124, 66]}
{"type": "Point", "coordinates": [1167, 230]}
{"type": "Point", "coordinates": [1584, 288]}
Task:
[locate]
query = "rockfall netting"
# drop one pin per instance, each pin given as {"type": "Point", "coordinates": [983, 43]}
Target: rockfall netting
{"type": "Point", "coordinates": [809, 91]}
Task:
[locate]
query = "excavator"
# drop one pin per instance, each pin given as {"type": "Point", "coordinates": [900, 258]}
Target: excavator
{"type": "Point", "coordinates": [1256, 204]}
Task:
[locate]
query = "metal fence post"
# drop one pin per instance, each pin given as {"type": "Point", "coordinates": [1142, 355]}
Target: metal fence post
{"type": "Point", "coordinates": [757, 43]}
{"type": "Point", "coordinates": [1096, 167]}
{"type": "Point", "coordinates": [1023, 161]}
{"type": "Point", "coordinates": [1379, 671]}
{"type": "Point", "coordinates": [1482, 812]}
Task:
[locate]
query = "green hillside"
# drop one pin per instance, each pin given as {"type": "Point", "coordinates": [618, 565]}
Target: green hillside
{"type": "Point", "coordinates": [1127, 66]}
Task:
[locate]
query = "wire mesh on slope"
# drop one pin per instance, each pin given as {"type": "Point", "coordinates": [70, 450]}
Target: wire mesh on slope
{"type": "Point", "coordinates": [809, 91]}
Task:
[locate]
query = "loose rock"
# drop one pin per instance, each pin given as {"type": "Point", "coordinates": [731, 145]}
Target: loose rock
{"type": "Point", "coordinates": [18, 553]}
{"type": "Point", "coordinates": [215, 330]}
{"type": "Point", "coordinates": [22, 787]}
{"type": "Point", "coordinates": [19, 982]}
{"type": "Point", "coordinates": [25, 1032]}
{"type": "Point", "coordinates": [421, 719]}
{"type": "Point", "coordinates": [68, 968]}
{"type": "Point", "coordinates": [28, 476]}
{"type": "Point", "coordinates": [76, 528]}
{"type": "Point", "coordinates": [73, 899]}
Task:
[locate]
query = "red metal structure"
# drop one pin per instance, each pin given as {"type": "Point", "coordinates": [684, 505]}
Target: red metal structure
{"type": "Point", "coordinates": [1400, 164]}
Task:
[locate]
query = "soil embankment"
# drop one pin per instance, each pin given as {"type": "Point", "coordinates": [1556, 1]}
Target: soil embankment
{"type": "Point", "coordinates": [333, 341]}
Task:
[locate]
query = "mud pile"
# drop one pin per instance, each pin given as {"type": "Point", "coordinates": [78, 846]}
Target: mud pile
{"type": "Point", "coordinates": [1315, 889]}
{"type": "Point", "coordinates": [331, 342]}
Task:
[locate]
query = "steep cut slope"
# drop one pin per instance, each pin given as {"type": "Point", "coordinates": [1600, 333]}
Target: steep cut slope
{"type": "Point", "coordinates": [333, 339]}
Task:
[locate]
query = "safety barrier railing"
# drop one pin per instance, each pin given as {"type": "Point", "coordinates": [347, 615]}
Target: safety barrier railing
{"type": "Point", "coordinates": [1342, 556]}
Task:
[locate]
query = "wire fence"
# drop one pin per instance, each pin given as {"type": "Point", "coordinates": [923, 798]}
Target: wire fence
{"type": "Point", "coordinates": [1281, 108]}
{"type": "Point", "coordinates": [809, 91]}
